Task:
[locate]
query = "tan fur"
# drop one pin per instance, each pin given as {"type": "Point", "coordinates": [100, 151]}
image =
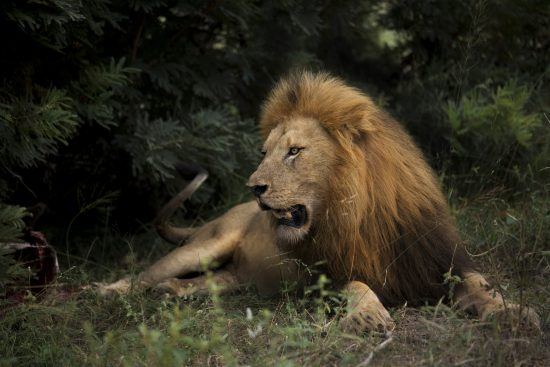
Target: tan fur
{"type": "Point", "coordinates": [376, 216]}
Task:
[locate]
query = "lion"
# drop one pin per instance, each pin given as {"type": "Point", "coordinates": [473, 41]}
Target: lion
{"type": "Point", "coordinates": [341, 184]}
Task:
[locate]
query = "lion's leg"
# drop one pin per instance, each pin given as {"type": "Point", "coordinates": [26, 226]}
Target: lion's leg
{"type": "Point", "coordinates": [365, 311]}
{"type": "Point", "coordinates": [193, 257]}
{"type": "Point", "coordinates": [475, 295]}
{"type": "Point", "coordinates": [214, 242]}
{"type": "Point", "coordinates": [223, 281]}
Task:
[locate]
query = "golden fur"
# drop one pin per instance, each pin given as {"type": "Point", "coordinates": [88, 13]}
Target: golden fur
{"type": "Point", "coordinates": [375, 214]}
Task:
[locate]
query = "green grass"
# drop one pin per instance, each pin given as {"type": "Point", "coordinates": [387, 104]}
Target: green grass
{"type": "Point", "coordinates": [510, 242]}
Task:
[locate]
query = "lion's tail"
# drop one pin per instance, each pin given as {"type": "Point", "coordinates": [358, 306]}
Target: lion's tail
{"type": "Point", "coordinates": [170, 233]}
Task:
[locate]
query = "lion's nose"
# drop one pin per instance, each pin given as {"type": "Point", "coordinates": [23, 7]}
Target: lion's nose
{"type": "Point", "coordinates": [257, 190]}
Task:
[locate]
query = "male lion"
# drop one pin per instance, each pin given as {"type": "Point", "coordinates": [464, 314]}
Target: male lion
{"type": "Point", "coordinates": [343, 184]}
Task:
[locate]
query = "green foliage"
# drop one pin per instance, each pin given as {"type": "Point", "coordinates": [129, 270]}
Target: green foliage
{"type": "Point", "coordinates": [502, 113]}
{"type": "Point", "coordinates": [11, 225]}
{"type": "Point", "coordinates": [214, 138]}
{"type": "Point", "coordinates": [492, 131]}
{"type": "Point", "coordinates": [96, 89]}
{"type": "Point", "coordinates": [448, 51]}
{"type": "Point", "coordinates": [50, 22]}
{"type": "Point", "coordinates": [29, 132]}
{"type": "Point", "coordinates": [10, 271]}
{"type": "Point", "coordinates": [100, 96]}
{"type": "Point", "coordinates": [11, 222]}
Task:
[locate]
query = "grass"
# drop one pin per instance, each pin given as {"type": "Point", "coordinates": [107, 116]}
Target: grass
{"type": "Point", "coordinates": [510, 242]}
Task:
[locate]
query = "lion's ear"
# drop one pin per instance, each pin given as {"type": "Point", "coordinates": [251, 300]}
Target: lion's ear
{"type": "Point", "coordinates": [359, 128]}
{"type": "Point", "coordinates": [349, 137]}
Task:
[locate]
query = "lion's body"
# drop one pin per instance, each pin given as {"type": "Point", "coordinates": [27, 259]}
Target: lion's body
{"type": "Point", "coordinates": [343, 184]}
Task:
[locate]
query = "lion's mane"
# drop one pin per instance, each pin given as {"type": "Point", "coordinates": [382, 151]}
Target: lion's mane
{"type": "Point", "coordinates": [387, 221]}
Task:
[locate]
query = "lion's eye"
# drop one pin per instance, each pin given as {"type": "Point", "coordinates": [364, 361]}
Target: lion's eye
{"type": "Point", "coordinates": [263, 152]}
{"type": "Point", "coordinates": [294, 151]}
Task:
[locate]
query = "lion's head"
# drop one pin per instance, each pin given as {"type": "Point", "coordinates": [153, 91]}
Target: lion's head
{"type": "Point", "coordinates": [301, 150]}
{"type": "Point", "coordinates": [345, 183]}
{"type": "Point", "coordinates": [291, 181]}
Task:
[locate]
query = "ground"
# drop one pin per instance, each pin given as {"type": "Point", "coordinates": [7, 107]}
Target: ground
{"type": "Point", "coordinates": [510, 242]}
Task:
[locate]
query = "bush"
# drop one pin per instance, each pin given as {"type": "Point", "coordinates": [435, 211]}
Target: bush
{"type": "Point", "coordinates": [494, 134]}
{"type": "Point", "coordinates": [99, 99]}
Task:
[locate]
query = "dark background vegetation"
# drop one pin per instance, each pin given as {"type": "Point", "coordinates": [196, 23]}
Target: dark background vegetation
{"type": "Point", "coordinates": [99, 99]}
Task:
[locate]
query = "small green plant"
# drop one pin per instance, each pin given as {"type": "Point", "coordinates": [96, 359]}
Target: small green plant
{"type": "Point", "coordinates": [452, 280]}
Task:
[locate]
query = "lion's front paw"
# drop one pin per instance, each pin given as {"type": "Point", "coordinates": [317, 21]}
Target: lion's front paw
{"type": "Point", "coordinates": [367, 319]}
{"type": "Point", "coordinates": [514, 316]}
{"type": "Point", "coordinates": [121, 286]}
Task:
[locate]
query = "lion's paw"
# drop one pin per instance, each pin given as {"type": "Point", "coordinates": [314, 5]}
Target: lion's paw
{"type": "Point", "coordinates": [514, 316]}
{"type": "Point", "coordinates": [121, 286]}
{"type": "Point", "coordinates": [367, 319]}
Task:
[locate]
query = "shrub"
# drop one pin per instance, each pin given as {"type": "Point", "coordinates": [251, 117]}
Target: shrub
{"type": "Point", "coordinates": [494, 133]}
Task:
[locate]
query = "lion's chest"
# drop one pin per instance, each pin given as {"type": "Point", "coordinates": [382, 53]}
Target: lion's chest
{"type": "Point", "coordinates": [258, 260]}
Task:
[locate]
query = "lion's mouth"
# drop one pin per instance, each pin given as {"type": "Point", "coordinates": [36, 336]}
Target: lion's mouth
{"type": "Point", "coordinates": [294, 216]}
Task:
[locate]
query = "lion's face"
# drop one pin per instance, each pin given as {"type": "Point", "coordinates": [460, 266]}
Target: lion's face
{"type": "Point", "coordinates": [291, 181]}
